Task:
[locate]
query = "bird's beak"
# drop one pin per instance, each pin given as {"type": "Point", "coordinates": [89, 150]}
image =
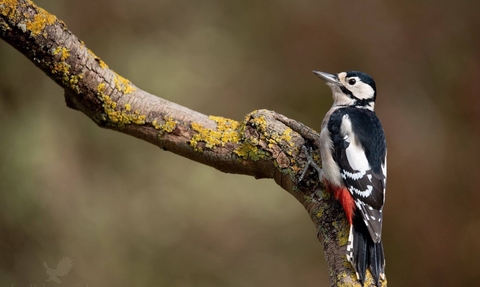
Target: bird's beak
{"type": "Point", "coordinates": [333, 79]}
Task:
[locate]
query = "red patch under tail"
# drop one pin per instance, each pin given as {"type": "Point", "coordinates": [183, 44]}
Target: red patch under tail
{"type": "Point", "coordinates": [343, 195]}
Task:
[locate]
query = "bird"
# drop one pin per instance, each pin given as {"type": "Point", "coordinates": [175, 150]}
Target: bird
{"type": "Point", "coordinates": [63, 268]}
{"type": "Point", "coordinates": [353, 149]}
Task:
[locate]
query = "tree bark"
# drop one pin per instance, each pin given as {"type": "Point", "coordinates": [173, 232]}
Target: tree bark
{"type": "Point", "coordinates": [264, 144]}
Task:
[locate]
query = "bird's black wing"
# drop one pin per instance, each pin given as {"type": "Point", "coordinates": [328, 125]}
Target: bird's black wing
{"type": "Point", "coordinates": [360, 151]}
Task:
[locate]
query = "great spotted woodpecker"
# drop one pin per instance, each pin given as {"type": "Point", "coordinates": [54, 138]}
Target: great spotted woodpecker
{"type": "Point", "coordinates": [354, 167]}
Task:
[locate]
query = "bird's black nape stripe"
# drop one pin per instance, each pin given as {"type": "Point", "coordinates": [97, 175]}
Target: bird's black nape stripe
{"type": "Point", "coordinates": [363, 102]}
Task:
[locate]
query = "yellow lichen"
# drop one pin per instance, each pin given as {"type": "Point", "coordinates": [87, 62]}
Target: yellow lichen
{"type": "Point", "coordinates": [123, 85]}
{"type": "Point", "coordinates": [156, 125]}
{"type": "Point", "coordinates": [64, 52]}
{"type": "Point", "coordinates": [253, 147]}
{"type": "Point", "coordinates": [5, 26]}
{"type": "Point", "coordinates": [326, 195]}
{"type": "Point", "coordinates": [102, 64]}
{"type": "Point", "coordinates": [247, 150]}
{"type": "Point", "coordinates": [101, 87]}
{"type": "Point", "coordinates": [210, 137]}
{"type": "Point", "coordinates": [228, 128]}
{"type": "Point", "coordinates": [115, 116]}
{"type": "Point", "coordinates": [63, 69]}
{"type": "Point", "coordinates": [346, 263]}
{"type": "Point", "coordinates": [270, 136]}
{"type": "Point", "coordinates": [343, 230]}
{"type": "Point", "coordinates": [287, 136]}
{"type": "Point", "coordinates": [260, 123]}
{"type": "Point", "coordinates": [169, 125]}
{"type": "Point", "coordinates": [117, 84]}
{"type": "Point", "coordinates": [341, 277]}
{"type": "Point", "coordinates": [8, 8]}
{"type": "Point", "coordinates": [40, 20]}
{"type": "Point", "coordinates": [227, 131]}
{"type": "Point", "coordinates": [73, 81]}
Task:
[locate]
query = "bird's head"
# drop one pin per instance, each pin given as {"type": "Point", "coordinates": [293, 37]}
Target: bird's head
{"type": "Point", "coordinates": [351, 89]}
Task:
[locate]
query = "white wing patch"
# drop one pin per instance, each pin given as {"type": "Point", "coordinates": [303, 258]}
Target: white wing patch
{"type": "Point", "coordinates": [355, 154]}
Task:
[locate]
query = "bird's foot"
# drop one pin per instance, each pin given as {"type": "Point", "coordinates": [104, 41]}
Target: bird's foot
{"type": "Point", "coordinates": [310, 163]}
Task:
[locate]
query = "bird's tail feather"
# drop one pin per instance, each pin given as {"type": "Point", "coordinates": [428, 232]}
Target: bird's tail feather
{"type": "Point", "coordinates": [363, 252]}
{"type": "Point", "coordinates": [377, 261]}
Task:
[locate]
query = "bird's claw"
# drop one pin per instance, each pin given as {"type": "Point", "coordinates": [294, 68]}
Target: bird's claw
{"type": "Point", "coordinates": [310, 163]}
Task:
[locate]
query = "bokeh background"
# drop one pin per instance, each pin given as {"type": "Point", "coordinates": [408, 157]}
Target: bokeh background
{"type": "Point", "coordinates": [130, 214]}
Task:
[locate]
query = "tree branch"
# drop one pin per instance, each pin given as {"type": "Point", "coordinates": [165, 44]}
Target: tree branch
{"type": "Point", "coordinates": [263, 145]}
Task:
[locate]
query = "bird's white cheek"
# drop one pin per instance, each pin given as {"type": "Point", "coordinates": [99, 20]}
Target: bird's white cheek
{"type": "Point", "coordinates": [363, 91]}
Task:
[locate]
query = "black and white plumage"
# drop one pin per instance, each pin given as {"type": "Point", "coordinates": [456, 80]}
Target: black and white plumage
{"type": "Point", "coordinates": [353, 149]}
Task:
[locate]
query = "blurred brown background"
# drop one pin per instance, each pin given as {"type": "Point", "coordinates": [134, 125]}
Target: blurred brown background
{"type": "Point", "coordinates": [130, 214]}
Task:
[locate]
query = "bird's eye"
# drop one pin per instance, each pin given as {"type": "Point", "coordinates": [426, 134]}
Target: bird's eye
{"type": "Point", "coordinates": [352, 82]}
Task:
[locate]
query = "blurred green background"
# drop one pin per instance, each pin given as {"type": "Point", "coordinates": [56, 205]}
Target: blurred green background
{"type": "Point", "coordinates": [130, 214]}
